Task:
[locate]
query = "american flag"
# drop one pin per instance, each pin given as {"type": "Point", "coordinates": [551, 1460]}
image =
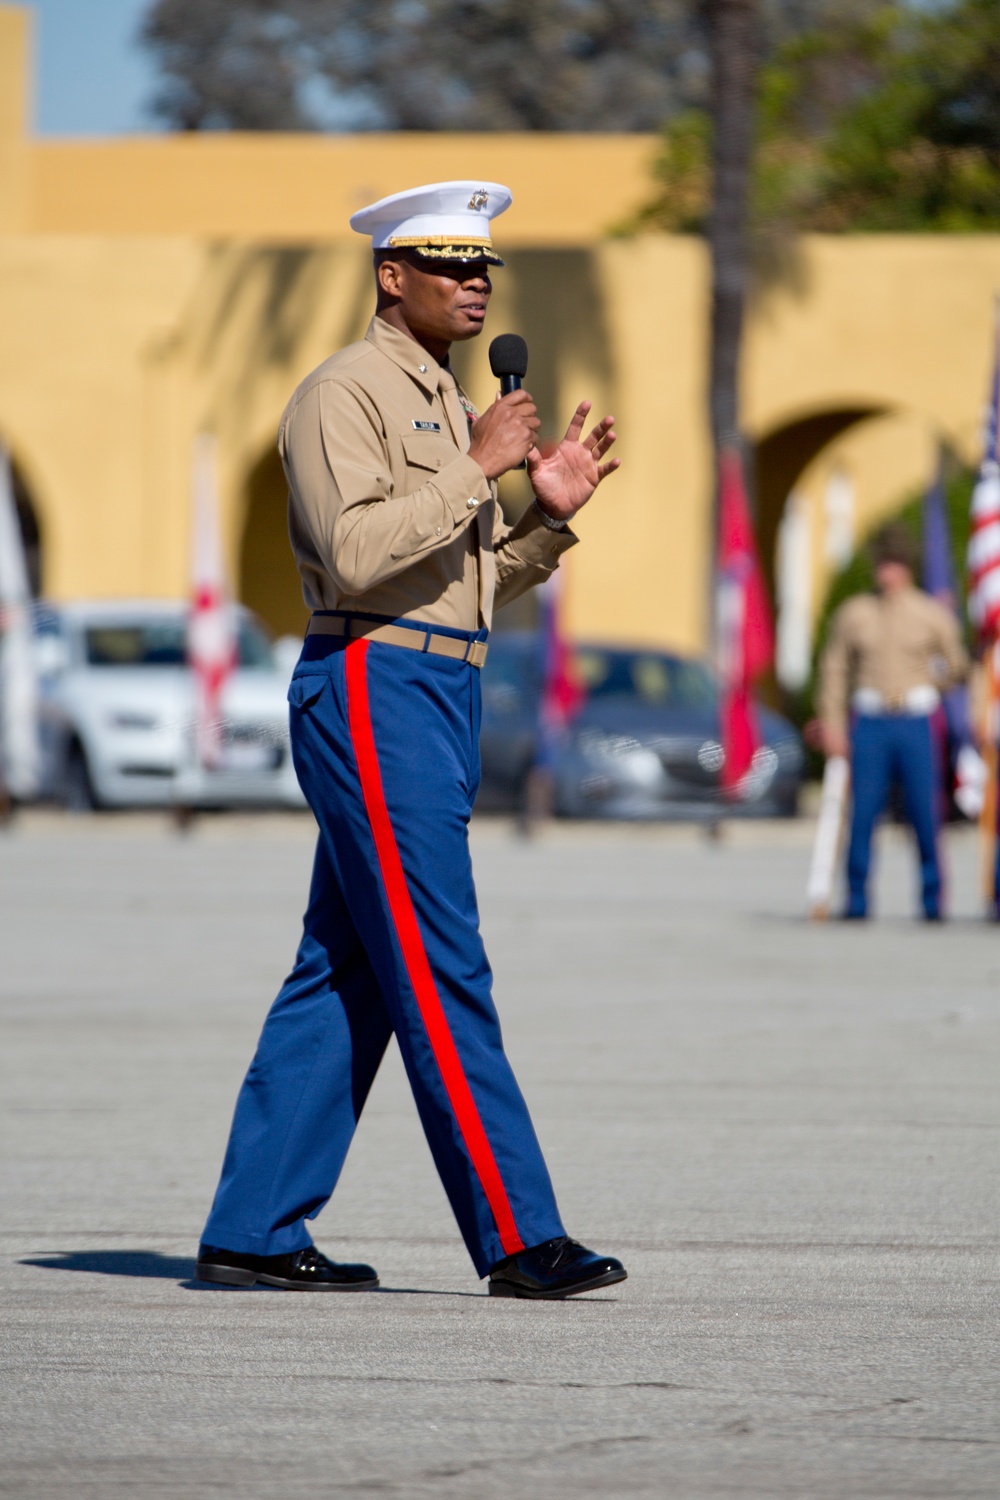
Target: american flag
{"type": "Point", "coordinates": [984, 540]}
{"type": "Point", "coordinates": [984, 611]}
{"type": "Point", "coordinates": [211, 637]}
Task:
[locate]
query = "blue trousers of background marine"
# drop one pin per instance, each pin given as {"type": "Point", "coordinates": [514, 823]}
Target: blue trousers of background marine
{"type": "Point", "coordinates": [386, 746]}
{"type": "Point", "coordinates": [887, 748]}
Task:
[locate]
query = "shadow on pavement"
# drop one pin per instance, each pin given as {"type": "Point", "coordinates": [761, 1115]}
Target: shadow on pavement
{"type": "Point", "coordinates": [149, 1263]}
{"type": "Point", "coordinates": [118, 1263]}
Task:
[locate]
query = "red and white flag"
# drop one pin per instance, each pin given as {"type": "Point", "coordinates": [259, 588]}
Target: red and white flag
{"type": "Point", "coordinates": [744, 634]}
{"type": "Point", "coordinates": [211, 640]}
{"type": "Point", "coordinates": [983, 562]}
{"type": "Point", "coordinates": [983, 558]}
{"type": "Point", "coordinates": [563, 691]}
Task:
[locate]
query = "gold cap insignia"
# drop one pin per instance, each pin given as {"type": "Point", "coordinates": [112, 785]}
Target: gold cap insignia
{"type": "Point", "coordinates": [479, 199]}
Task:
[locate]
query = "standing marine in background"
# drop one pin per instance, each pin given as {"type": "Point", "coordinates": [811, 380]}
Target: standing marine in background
{"type": "Point", "coordinates": [888, 659]}
{"type": "Point", "coordinates": [404, 555]}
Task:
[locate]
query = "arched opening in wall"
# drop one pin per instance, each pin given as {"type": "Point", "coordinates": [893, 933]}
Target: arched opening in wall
{"type": "Point", "coordinates": [269, 581]}
{"type": "Point", "coordinates": [30, 528]}
{"type": "Point", "coordinates": [778, 461]}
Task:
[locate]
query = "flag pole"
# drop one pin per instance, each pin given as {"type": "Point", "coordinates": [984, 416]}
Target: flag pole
{"type": "Point", "coordinates": [991, 757]}
{"type": "Point", "coordinates": [829, 834]}
{"type": "Point", "coordinates": [20, 751]}
{"type": "Point", "coordinates": [211, 640]}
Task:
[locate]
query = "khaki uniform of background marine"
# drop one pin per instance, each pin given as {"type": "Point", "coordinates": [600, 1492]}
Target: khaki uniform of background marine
{"type": "Point", "coordinates": [889, 646]}
{"type": "Point", "coordinates": [380, 421]}
{"type": "Point", "coordinates": [890, 656]}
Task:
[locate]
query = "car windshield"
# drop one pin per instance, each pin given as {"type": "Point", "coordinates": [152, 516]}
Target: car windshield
{"type": "Point", "coordinates": [163, 643]}
{"type": "Point", "coordinates": [660, 681]}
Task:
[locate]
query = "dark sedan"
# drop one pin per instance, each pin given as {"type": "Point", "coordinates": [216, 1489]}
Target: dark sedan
{"type": "Point", "coordinates": [644, 743]}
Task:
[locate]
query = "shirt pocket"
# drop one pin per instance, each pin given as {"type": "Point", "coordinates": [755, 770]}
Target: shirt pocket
{"type": "Point", "coordinates": [428, 451]}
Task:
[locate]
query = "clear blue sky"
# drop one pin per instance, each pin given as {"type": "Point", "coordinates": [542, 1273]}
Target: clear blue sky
{"type": "Point", "coordinates": [90, 76]}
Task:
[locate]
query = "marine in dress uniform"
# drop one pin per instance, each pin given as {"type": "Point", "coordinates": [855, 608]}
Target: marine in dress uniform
{"type": "Point", "coordinates": [404, 555]}
{"type": "Point", "coordinates": [889, 657]}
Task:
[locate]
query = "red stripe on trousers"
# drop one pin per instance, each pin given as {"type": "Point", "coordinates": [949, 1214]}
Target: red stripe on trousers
{"type": "Point", "coordinates": [414, 955]}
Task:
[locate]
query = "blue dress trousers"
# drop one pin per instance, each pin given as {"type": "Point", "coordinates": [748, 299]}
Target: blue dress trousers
{"type": "Point", "coordinates": [386, 746]}
{"type": "Point", "coordinates": [887, 748]}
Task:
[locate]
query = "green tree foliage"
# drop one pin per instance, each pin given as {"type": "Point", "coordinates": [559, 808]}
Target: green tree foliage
{"type": "Point", "coordinates": [473, 65]}
{"type": "Point", "coordinates": [588, 65]}
{"type": "Point", "coordinates": [884, 121]}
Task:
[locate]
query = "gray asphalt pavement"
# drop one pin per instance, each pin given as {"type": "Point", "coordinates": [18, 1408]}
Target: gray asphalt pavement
{"type": "Point", "coordinates": [789, 1133]}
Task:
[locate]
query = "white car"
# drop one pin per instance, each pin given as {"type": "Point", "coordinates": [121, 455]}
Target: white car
{"type": "Point", "coordinates": [117, 711]}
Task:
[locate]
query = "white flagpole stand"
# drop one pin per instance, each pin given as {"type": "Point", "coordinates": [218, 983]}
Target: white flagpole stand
{"type": "Point", "coordinates": [823, 869]}
{"type": "Point", "coordinates": [20, 754]}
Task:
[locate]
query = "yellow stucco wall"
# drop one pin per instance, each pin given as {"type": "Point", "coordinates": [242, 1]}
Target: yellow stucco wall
{"type": "Point", "coordinates": [305, 187]}
{"type": "Point", "coordinates": [903, 320]}
{"type": "Point", "coordinates": [150, 289]}
{"type": "Point", "coordinates": [299, 188]}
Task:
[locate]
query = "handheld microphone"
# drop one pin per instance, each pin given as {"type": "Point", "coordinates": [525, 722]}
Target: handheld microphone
{"type": "Point", "coordinates": [509, 363]}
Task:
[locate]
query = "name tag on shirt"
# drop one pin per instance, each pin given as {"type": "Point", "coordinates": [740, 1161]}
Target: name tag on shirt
{"type": "Point", "coordinates": [426, 426]}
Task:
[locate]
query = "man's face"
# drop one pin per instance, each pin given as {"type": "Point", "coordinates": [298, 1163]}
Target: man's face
{"type": "Point", "coordinates": [890, 577]}
{"type": "Point", "coordinates": [441, 300]}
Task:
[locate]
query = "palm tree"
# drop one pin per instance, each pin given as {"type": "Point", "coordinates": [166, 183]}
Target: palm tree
{"type": "Point", "coordinates": [734, 30]}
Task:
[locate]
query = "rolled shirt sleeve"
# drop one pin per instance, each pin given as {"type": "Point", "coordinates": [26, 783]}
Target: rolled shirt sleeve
{"type": "Point", "coordinates": [526, 553]}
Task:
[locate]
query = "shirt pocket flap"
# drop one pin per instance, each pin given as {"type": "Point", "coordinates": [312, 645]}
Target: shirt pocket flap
{"type": "Point", "coordinates": [428, 450]}
{"type": "Point", "coordinates": [304, 690]}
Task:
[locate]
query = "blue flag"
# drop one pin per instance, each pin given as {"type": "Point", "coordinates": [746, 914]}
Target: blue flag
{"type": "Point", "coordinates": [939, 565]}
{"type": "Point", "coordinates": [940, 581]}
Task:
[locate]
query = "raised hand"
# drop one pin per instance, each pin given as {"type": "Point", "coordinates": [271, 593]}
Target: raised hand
{"type": "Point", "coordinates": [566, 478]}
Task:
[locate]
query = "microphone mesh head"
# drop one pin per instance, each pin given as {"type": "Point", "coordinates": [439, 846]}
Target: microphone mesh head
{"type": "Point", "coordinates": [509, 355]}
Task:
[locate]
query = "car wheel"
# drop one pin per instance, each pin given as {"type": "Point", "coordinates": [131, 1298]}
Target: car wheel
{"type": "Point", "coordinates": [78, 789]}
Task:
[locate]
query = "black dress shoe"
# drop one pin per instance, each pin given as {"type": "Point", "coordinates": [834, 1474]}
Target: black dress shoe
{"type": "Point", "coordinates": [303, 1271]}
{"type": "Point", "coordinates": [559, 1268]}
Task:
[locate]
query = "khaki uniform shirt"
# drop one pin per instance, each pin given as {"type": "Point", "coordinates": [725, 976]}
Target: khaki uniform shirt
{"type": "Point", "coordinates": [387, 513]}
{"type": "Point", "coordinates": [891, 643]}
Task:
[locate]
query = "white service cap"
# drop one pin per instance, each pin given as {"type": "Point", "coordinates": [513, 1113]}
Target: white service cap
{"type": "Point", "coordinates": [442, 221]}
